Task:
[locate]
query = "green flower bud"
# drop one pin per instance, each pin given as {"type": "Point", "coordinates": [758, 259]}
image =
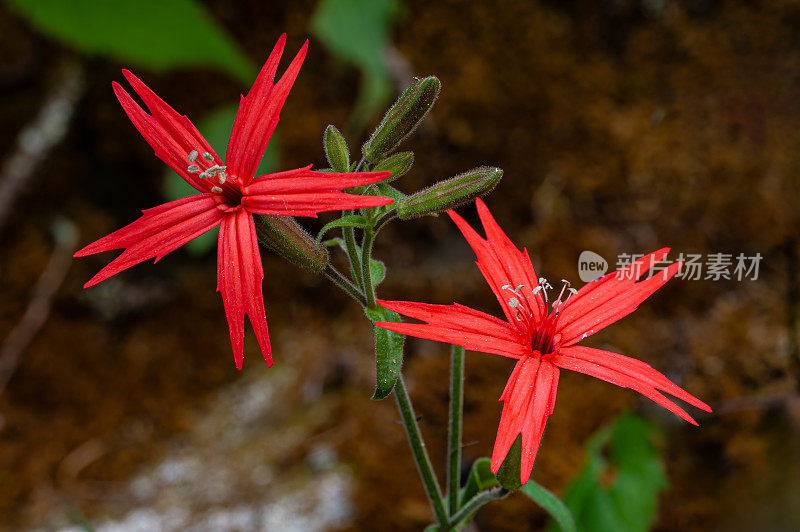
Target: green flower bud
{"type": "Point", "coordinates": [508, 474]}
{"type": "Point", "coordinates": [398, 164]}
{"type": "Point", "coordinates": [403, 117]}
{"type": "Point", "coordinates": [336, 149]}
{"type": "Point", "coordinates": [450, 193]}
{"type": "Point", "coordinates": [284, 236]}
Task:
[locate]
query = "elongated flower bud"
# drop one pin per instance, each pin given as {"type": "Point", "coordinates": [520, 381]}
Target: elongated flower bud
{"type": "Point", "coordinates": [450, 193]}
{"type": "Point", "coordinates": [403, 117]}
{"type": "Point", "coordinates": [284, 236]}
{"type": "Point", "coordinates": [398, 164]}
{"type": "Point", "coordinates": [336, 149]}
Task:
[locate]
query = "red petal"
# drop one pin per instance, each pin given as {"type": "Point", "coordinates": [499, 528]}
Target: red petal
{"type": "Point", "coordinates": [172, 135]}
{"type": "Point", "coordinates": [259, 113]}
{"type": "Point", "coordinates": [610, 298]}
{"type": "Point", "coordinates": [626, 373]}
{"type": "Point", "coordinates": [460, 325]}
{"type": "Point", "coordinates": [157, 232]}
{"type": "Point", "coordinates": [502, 264]}
{"type": "Point", "coordinates": [304, 179]}
{"type": "Point", "coordinates": [239, 276]}
{"type": "Point", "coordinates": [528, 400]}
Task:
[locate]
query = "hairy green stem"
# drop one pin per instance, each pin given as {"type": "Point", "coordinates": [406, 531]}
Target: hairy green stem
{"type": "Point", "coordinates": [473, 505]}
{"type": "Point", "coordinates": [366, 275]}
{"type": "Point", "coordinates": [350, 243]}
{"type": "Point", "coordinates": [420, 454]}
{"type": "Point", "coordinates": [344, 283]}
{"type": "Point", "coordinates": [454, 433]}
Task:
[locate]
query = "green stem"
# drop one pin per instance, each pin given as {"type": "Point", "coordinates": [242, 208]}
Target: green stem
{"type": "Point", "coordinates": [420, 454]}
{"type": "Point", "coordinates": [350, 243]}
{"type": "Point", "coordinates": [366, 277]}
{"type": "Point", "coordinates": [344, 283]}
{"type": "Point", "coordinates": [476, 502]}
{"type": "Point", "coordinates": [385, 219]}
{"type": "Point", "coordinates": [454, 433]}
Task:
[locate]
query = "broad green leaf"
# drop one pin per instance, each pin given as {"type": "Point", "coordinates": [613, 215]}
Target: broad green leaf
{"type": "Point", "coordinates": [216, 128]}
{"type": "Point", "coordinates": [480, 478]}
{"type": "Point", "coordinates": [388, 352]}
{"type": "Point", "coordinates": [157, 34]}
{"type": "Point", "coordinates": [346, 221]}
{"type": "Point", "coordinates": [550, 503]}
{"type": "Point", "coordinates": [618, 488]}
{"type": "Point", "coordinates": [357, 32]}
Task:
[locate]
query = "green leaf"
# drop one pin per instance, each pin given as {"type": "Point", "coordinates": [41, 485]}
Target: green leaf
{"type": "Point", "coordinates": [480, 478]}
{"type": "Point", "coordinates": [357, 32]}
{"type": "Point", "coordinates": [388, 351]}
{"type": "Point", "coordinates": [345, 221]}
{"type": "Point", "coordinates": [157, 34]}
{"type": "Point", "coordinates": [552, 504]}
{"type": "Point", "coordinates": [618, 488]}
{"type": "Point", "coordinates": [216, 128]}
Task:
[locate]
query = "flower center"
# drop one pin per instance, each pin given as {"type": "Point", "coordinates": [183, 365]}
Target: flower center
{"type": "Point", "coordinates": [544, 337]}
{"type": "Point", "coordinates": [222, 184]}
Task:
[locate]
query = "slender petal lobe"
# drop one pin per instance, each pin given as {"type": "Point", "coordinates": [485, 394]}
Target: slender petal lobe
{"type": "Point", "coordinates": [157, 232]}
{"type": "Point", "coordinates": [528, 400]}
{"type": "Point", "coordinates": [457, 324]}
{"type": "Point", "coordinates": [239, 276]}
{"type": "Point", "coordinates": [259, 112]}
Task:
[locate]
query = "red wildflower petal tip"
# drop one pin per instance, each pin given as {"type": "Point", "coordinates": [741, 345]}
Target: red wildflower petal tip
{"type": "Point", "coordinates": [239, 277]}
{"type": "Point", "coordinates": [612, 297]}
{"type": "Point", "coordinates": [259, 113]}
{"type": "Point", "coordinates": [528, 400]}
{"type": "Point", "coordinates": [628, 373]}
{"type": "Point", "coordinates": [156, 233]}
{"type": "Point", "coordinates": [504, 267]}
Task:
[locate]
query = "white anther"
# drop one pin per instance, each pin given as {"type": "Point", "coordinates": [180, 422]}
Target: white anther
{"type": "Point", "coordinates": [216, 190]}
{"type": "Point", "coordinates": [513, 302]}
{"type": "Point", "coordinates": [222, 178]}
{"type": "Point", "coordinates": [207, 156]}
{"type": "Point", "coordinates": [192, 156]}
{"type": "Point", "coordinates": [536, 290]}
{"type": "Point", "coordinates": [505, 287]}
{"type": "Point", "coordinates": [516, 290]}
{"type": "Point", "coordinates": [572, 290]}
{"type": "Point", "coordinates": [193, 169]}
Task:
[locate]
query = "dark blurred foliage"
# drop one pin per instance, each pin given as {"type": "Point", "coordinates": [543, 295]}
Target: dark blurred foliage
{"type": "Point", "coordinates": [621, 126]}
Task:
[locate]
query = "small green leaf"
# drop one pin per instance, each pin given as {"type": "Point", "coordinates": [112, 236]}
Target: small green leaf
{"type": "Point", "coordinates": [398, 164]}
{"type": "Point", "coordinates": [480, 478]}
{"type": "Point", "coordinates": [550, 503]}
{"type": "Point", "coordinates": [157, 34]}
{"type": "Point", "coordinates": [346, 221]}
{"type": "Point", "coordinates": [618, 487]}
{"type": "Point", "coordinates": [216, 128]}
{"type": "Point", "coordinates": [388, 351]}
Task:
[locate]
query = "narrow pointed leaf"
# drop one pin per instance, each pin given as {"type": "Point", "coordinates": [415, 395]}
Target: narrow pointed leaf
{"type": "Point", "coordinates": [388, 352]}
{"type": "Point", "coordinates": [551, 504]}
{"type": "Point", "coordinates": [346, 221]}
{"type": "Point", "coordinates": [480, 478]}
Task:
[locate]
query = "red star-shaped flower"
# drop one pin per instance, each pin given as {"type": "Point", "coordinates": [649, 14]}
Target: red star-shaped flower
{"type": "Point", "coordinates": [541, 334]}
{"type": "Point", "coordinates": [229, 194]}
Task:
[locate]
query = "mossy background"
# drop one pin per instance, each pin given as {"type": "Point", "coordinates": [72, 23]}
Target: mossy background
{"type": "Point", "coordinates": [622, 126]}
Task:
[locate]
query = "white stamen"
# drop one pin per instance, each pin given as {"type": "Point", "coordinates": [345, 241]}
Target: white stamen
{"type": "Point", "coordinates": [192, 156]}
{"type": "Point", "coordinates": [513, 302]}
{"type": "Point", "coordinates": [505, 287]}
{"type": "Point", "coordinates": [222, 178]}
{"type": "Point", "coordinates": [516, 290]}
{"type": "Point", "coordinates": [536, 290]}
{"type": "Point", "coordinates": [193, 169]}
{"type": "Point", "coordinates": [216, 190]}
{"type": "Point", "coordinates": [208, 157]}
{"type": "Point", "coordinates": [572, 290]}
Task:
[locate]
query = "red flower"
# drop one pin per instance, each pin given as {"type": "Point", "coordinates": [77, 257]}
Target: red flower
{"type": "Point", "coordinates": [542, 337]}
{"type": "Point", "coordinates": [229, 194]}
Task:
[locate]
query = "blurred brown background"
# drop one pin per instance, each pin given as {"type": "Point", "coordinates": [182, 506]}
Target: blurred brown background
{"type": "Point", "coordinates": [622, 126]}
